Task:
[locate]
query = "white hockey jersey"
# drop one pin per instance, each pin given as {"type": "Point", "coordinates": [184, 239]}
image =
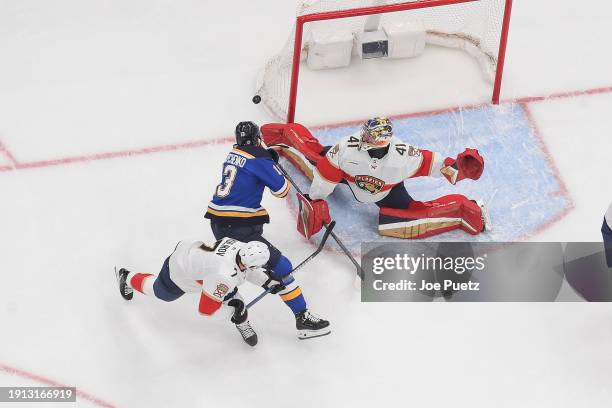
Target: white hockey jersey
{"type": "Point", "coordinates": [371, 179]}
{"type": "Point", "coordinates": [608, 217]}
{"type": "Point", "coordinates": [214, 271]}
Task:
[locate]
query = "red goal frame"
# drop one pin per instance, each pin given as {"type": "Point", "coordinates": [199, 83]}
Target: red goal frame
{"type": "Point", "coordinates": [365, 11]}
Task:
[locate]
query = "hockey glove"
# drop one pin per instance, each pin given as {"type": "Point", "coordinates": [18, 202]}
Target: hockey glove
{"type": "Point", "coordinates": [240, 312]}
{"type": "Point", "coordinates": [273, 285]}
{"type": "Point", "coordinates": [312, 215]}
{"type": "Point", "coordinates": [469, 164]}
{"type": "Point", "coordinates": [273, 154]}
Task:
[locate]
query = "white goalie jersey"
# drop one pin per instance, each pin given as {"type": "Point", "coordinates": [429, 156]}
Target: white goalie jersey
{"type": "Point", "coordinates": [371, 179]}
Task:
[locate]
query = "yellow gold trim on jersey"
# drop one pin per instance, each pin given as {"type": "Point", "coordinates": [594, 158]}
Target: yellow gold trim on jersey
{"type": "Point", "coordinates": [291, 295]}
{"type": "Point", "coordinates": [243, 153]}
{"type": "Point", "coordinates": [283, 193]}
{"type": "Point", "coordinates": [239, 214]}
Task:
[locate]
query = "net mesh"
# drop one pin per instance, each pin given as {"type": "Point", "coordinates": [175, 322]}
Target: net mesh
{"type": "Point", "coordinates": [474, 27]}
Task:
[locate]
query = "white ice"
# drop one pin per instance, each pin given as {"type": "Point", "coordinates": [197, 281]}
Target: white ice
{"type": "Point", "coordinates": [85, 77]}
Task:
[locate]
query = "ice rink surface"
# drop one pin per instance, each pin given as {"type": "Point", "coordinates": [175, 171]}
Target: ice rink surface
{"type": "Point", "coordinates": [114, 119]}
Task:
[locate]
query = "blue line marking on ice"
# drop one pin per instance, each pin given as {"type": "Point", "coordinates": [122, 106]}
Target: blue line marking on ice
{"type": "Point", "coordinates": [518, 185]}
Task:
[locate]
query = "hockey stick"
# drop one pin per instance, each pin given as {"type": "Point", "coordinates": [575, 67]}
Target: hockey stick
{"type": "Point", "coordinates": [304, 262]}
{"type": "Point", "coordinates": [360, 272]}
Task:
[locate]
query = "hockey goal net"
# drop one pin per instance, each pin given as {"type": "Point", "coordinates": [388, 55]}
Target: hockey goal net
{"type": "Point", "coordinates": [478, 27]}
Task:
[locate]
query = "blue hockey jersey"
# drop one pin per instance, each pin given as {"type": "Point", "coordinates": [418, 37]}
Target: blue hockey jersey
{"type": "Point", "coordinates": [247, 170]}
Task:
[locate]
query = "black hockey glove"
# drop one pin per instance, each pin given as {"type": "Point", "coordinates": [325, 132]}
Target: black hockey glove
{"type": "Point", "coordinates": [274, 285]}
{"type": "Point", "coordinates": [274, 155]}
{"type": "Point", "coordinates": [277, 288]}
{"type": "Point", "coordinates": [240, 312]}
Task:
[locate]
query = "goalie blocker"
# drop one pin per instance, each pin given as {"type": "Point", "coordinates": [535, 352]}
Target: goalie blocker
{"type": "Point", "coordinates": [400, 215]}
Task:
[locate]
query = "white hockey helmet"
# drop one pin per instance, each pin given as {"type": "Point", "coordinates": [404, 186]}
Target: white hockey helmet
{"type": "Point", "coordinates": [376, 133]}
{"type": "Point", "coordinates": [254, 254]}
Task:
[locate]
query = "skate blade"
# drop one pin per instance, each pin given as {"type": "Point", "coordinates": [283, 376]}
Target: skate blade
{"type": "Point", "coordinates": [306, 335]}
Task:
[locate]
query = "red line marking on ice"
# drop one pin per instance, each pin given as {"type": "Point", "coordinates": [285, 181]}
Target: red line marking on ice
{"type": "Point", "coordinates": [432, 112]}
{"type": "Point", "coordinates": [564, 191]}
{"type": "Point", "coordinates": [51, 383]}
{"type": "Point", "coordinates": [115, 154]}
{"type": "Point", "coordinates": [9, 156]}
{"type": "Point", "coordinates": [200, 143]}
{"type": "Point", "coordinates": [564, 95]}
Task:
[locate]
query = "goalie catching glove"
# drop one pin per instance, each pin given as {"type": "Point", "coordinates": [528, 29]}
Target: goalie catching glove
{"type": "Point", "coordinates": [469, 164]}
{"type": "Point", "coordinates": [312, 215]}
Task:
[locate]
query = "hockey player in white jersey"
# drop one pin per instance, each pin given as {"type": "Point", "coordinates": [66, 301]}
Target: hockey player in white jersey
{"type": "Point", "coordinates": [374, 164]}
{"type": "Point", "coordinates": [606, 231]}
{"type": "Point", "coordinates": [212, 272]}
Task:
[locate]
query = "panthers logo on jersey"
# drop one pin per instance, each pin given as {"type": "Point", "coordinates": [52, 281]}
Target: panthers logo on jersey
{"type": "Point", "coordinates": [370, 184]}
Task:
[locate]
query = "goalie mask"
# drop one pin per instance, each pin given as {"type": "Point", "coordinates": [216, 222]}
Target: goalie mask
{"type": "Point", "coordinates": [376, 133]}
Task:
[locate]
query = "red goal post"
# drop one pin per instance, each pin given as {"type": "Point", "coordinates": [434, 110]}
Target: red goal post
{"type": "Point", "coordinates": [280, 98]}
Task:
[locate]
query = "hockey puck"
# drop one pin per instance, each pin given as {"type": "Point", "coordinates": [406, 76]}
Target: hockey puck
{"type": "Point", "coordinates": [256, 99]}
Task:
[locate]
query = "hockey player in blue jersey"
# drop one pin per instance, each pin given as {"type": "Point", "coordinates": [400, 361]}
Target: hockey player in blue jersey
{"type": "Point", "coordinates": [606, 230]}
{"type": "Point", "coordinates": [236, 212]}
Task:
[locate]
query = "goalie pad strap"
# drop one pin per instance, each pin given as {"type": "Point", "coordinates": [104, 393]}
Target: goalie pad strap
{"type": "Point", "coordinates": [425, 219]}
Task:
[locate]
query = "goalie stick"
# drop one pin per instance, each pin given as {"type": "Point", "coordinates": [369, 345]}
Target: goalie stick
{"type": "Point", "coordinates": [360, 272]}
{"type": "Point", "coordinates": [304, 262]}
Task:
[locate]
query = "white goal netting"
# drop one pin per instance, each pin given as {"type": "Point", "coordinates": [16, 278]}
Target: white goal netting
{"type": "Point", "coordinates": [474, 27]}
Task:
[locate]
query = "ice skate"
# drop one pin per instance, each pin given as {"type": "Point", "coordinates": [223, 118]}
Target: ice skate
{"type": "Point", "coordinates": [126, 292]}
{"type": "Point", "coordinates": [309, 325]}
{"type": "Point", "coordinates": [248, 334]}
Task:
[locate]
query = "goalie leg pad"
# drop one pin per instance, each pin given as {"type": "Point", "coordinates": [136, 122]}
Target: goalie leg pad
{"type": "Point", "coordinates": [428, 218]}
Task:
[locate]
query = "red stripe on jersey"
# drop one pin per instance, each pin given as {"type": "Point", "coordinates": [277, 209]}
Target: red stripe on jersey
{"type": "Point", "coordinates": [425, 169]}
{"type": "Point", "coordinates": [328, 171]}
{"type": "Point", "coordinates": [208, 306]}
{"type": "Point", "coordinates": [138, 279]}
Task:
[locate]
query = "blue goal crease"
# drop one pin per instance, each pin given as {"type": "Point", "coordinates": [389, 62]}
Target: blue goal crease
{"type": "Point", "coordinates": [519, 186]}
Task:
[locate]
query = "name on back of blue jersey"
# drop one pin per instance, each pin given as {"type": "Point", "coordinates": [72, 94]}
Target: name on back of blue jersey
{"type": "Point", "coordinates": [236, 160]}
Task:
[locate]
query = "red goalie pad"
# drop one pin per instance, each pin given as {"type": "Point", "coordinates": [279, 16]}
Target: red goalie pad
{"type": "Point", "coordinates": [428, 218]}
{"type": "Point", "coordinates": [312, 215]}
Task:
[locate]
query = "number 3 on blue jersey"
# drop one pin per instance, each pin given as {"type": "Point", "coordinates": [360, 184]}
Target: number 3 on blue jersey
{"type": "Point", "coordinates": [229, 175]}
